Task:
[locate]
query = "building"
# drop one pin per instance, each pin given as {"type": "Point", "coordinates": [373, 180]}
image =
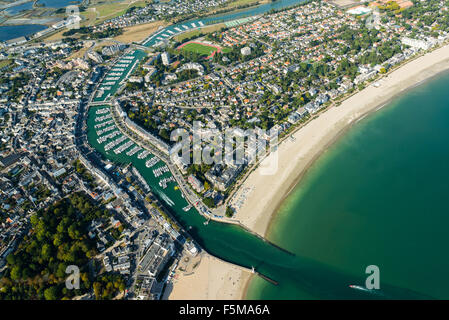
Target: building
{"type": "Point", "coordinates": [293, 117]}
{"type": "Point", "coordinates": [94, 56]}
{"type": "Point", "coordinates": [135, 79]}
{"type": "Point", "coordinates": [222, 178]}
{"type": "Point", "coordinates": [112, 50]}
{"type": "Point", "coordinates": [11, 159]}
{"type": "Point", "coordinates": [417, 44]}
{"type": "Point", "coordinates": [43, 32]}
{"type": "Point", "coordinates": [149, 289]}
{"type": "Point", "coordinates": [196, 184]}
{"type": "Point", "coordinates": [192, 66]}
{"type": "Point", "coordinates": [16, 41]}
{"type": "Point", "coordinates": [302, 112]}
{"type": "Point", "coordinates": [151, 71]}
{"type": "Point", "coordinates": [165, 58]}
{"type": "Point", "coordinates": [157, 255]}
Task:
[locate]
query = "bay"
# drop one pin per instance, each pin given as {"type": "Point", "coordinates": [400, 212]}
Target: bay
{"type": "Point", "coordinates": [377, 197]}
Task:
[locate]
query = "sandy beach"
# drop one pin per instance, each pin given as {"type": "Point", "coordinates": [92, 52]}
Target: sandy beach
{"type": "Point", "coordinates": [214, 279]}
{"type": "Point", "coordinates": [294, 157]}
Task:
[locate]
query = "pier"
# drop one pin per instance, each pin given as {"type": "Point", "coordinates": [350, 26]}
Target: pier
{"type": "Point", "coordinates": [267, 278]}
{"type": "Point", "coordinates": [253, 270]}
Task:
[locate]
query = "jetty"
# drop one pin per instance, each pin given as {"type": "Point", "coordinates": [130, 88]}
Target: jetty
{"type": "Point", "coordinates": [253, 270]}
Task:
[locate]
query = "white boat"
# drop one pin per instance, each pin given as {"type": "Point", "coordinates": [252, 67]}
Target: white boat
{"type": "Point", "coordinates": [143, 154]}
{"type": "Point", "coordinates": [151, 162]}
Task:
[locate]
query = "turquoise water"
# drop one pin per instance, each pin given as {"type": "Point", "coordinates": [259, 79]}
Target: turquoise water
{"type": "Point", "coordinates": [227, 241]}
{"type": "Point", "coordinates": [136, 57]}
{"type": "Point", "coordinates": [378, 196]}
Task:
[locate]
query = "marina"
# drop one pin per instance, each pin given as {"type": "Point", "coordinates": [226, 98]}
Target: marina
{"type": "Point", "coordinates": [100, 125]}
{"type": "Point", "coordinates": [123, 147]}
{"type": "Point", "coordinates": [111, 135]}
{"type": "Point", "coordinates": [102, 111]}
{"type": "Point", "coordinates": [164, 182]}
{"type": "Point", "coordinates": [104, 130]}
{"type": "Point", "coordinates": [152, 162]}
{"type": "Point", "coordinates": [160, 171]}
{"type": "Point", "coordinates": [143, 154]}
{"type": "Point", "coordinates": [102, 118]}
{"type": "Point", "coordinates": [133, 151]}
{"type": "Point", "coordinates": [114, 143]}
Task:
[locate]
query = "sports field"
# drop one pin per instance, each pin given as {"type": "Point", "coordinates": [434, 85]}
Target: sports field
{"type": "Point", "coordinates": [202, 49]}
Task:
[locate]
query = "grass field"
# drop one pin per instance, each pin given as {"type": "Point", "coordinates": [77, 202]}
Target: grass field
{"type": "Point", "coordinates": [199, 48]}
{"type": "Point", "coordinates": [203, 49]}
{"type": "Point", "coordinates": [204, 30]}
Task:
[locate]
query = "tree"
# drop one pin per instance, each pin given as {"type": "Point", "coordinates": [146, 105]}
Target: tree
{"type": "Point", "coordinates": [97, 290]}
{"type": "Point", "coordinates": [51, 293]}
{"type": "Point", "coordinates": [16, 273]}
{"type": "Point", "coordinates": [229, 212]}
{"type": "Point", "coordinates": [209, 202]}
{"type": "Point", "coordinates": [46, 252]}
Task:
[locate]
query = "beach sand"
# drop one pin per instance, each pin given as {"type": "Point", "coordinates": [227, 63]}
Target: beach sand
{"type": "Point", "coordinates": [213, 279]}
{"type": "Point", "coordinates": [294, 157]}
{"type": "Point", "coordinates": [264, 193]}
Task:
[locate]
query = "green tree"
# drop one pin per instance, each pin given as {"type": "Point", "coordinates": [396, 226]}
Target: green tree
{"type": "Point", "coordinates": [51, 293]}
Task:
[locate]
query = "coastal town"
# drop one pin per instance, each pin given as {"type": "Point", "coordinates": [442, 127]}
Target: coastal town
{"type": "Point", "coordinates": [88, 172]}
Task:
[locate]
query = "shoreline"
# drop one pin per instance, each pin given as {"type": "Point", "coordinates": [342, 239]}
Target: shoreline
{"type": "Point", "coordinates": [212, 279]}
{"type": "Point", "coordinates": [259, 210]}
{"type": "Point", "coordinates": [331, 137]}
{"type": "Point", "coordinates": [340, 135]}
{"type": "Point", "coordinates": [312, 140]}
